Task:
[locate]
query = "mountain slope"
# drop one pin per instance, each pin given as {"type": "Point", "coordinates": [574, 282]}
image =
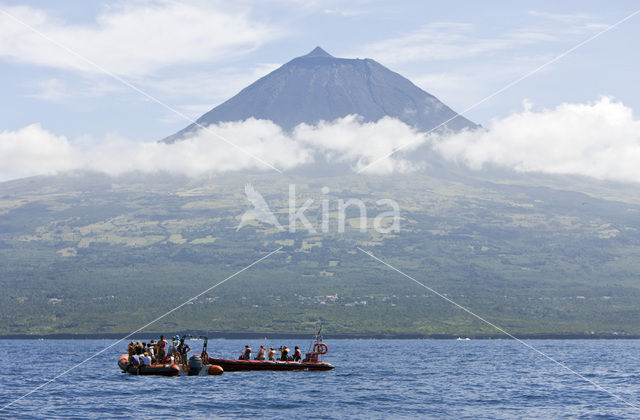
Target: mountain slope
{"type": "Point", "coordinates": [318, 87]}
{"type": "Point", "coordinates": [86, 253]}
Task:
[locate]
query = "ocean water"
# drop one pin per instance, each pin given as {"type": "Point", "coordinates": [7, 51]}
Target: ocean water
{"type": "Point", "coordinates": [372, 379]}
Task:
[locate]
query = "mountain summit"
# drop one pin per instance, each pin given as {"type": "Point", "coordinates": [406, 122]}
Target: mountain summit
{"type": "Point", "coordinates": [318, 52]}
{"type": "Point", "coordinates": [319, 86]}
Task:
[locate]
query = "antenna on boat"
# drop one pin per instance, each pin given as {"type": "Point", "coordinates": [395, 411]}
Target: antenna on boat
{"type": "Point", "coordinates": [317, 348]}
{"type": "Point", "coordinates": [317, 338]}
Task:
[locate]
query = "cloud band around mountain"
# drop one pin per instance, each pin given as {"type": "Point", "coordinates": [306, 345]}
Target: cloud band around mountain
{"type": "Point", "coordinates": [600, 139]}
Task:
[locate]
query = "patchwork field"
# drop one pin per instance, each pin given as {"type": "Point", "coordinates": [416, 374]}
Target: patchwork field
{"type": "Point", "coordinates": [91, 254]}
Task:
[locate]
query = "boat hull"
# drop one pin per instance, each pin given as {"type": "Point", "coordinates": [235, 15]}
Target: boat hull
{"type": "Point", "coordinates": [155, 370]}
{"type": "Point", "coordinates": [230, 365]}
{"type": "Point", "coordinates": [168, 370]}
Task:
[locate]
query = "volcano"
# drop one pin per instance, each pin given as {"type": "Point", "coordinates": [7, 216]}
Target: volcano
{"type": "Point", "coordinates": [319, 86]}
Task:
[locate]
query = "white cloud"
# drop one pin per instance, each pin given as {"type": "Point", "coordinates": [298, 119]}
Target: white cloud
{"type": "Point", "coordinates": [33, 150]}
{"type": "Point", "coordinates": [435, 41]}
{"type": "Point", "coordinates": [345, 12]}
{"type": "Point", "coordinates": [203, 152]}
{"type": "Point", "coordinates": [599, 139]}
{"type": "Point", "coordinates": [52, 90]}
{"type": "Point", "coordinates": [438, 41]}
{"type": "Point", "coordinates": [133, 38]}
{"type": "Point", "coordinates": [359, 143]}
{"type": "Point", "coordinates": [564, 18]}
{"type": "Point", "coordinates": [567, 23]}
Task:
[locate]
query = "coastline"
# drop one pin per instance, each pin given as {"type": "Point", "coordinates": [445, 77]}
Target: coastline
{"type": "Point", "coordinates": [297, 336]}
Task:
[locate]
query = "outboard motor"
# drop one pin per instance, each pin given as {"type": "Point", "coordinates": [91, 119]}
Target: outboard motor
{"type": "Point", "coordinates": [195, 365]}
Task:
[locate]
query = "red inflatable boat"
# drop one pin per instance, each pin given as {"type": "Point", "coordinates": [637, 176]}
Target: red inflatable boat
{"type": "Point", "coordinates": [311, 361]}
{"type": "Point", "coordinates": [205, 365]}
{"type": "Point", "coordinates": [230, 365]}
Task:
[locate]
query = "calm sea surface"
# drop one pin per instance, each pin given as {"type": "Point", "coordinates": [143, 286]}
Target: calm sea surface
{"type": "Point", "coordinates": [373, 379]}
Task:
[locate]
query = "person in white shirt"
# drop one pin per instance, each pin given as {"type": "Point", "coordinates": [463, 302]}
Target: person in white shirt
{"type": "Point", "coordinates": [145, 360]}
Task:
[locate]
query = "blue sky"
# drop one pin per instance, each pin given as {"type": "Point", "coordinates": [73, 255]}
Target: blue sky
{"type": "Point", "coordinates": [458, 51]}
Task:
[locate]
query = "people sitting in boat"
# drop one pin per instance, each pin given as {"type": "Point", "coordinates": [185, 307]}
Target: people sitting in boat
{"type": "Point", "coordinates": [272, 354]}
{"type": "Point", "coordinates": [145, 359]}
{"type": "Point", "coordinates": [183, 349]}
{"type": "Point", "coordinates": [145, 349]}
{"type": "Point", "coordinates": [261, 353]}
{"type": "Point", "coordinates": [131, 348]}
{"type": "Point", "coordinates": [297, 354]}
{"type": "Point", "coordinates": [134, 360]}
{"type": "Point", "coordinates": [284, 353]}
{"type": "Point", "coordinates": [246, 354]}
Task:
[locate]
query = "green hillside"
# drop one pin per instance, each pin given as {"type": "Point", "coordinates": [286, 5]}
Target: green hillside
{"type": "Point", "coordinates": [90, 254]}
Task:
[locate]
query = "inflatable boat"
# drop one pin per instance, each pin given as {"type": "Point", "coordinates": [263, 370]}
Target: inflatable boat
{"type": "Point", "coordinates": [203, 364]}
{"type": "Point", "coordinates": [310, 362]}
{"type": "Point", "coordinates": [230, 365]}
{"type": "Point", "coordinates": [195, 367]}
{"type": "Point", "coordinates": [158, 370]}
